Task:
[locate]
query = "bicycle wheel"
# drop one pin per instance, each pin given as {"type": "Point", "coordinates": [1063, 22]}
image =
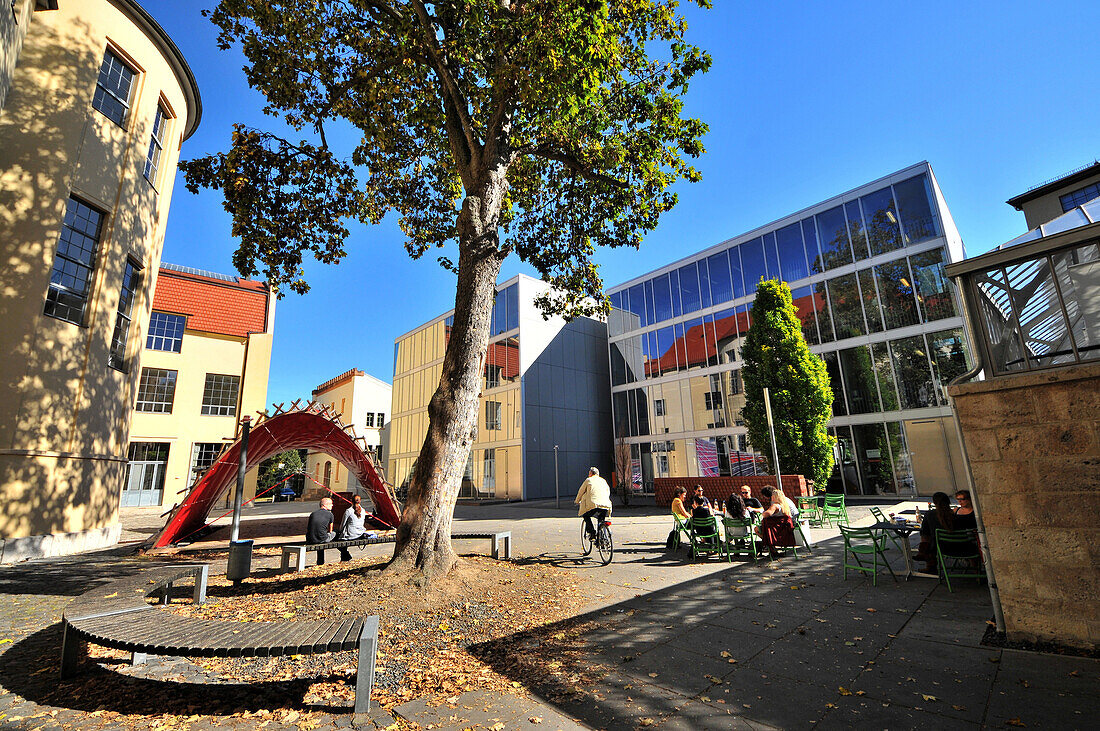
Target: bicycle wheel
{"type": "Point", "coordinates": [586, 541]}
{"type": "Point", "coordinates": [605, 545]}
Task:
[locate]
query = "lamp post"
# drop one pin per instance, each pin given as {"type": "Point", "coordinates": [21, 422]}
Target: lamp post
{"type": "Point", "coordinates": [557, 493]}
{"type": "Point", "coordinates": [240, 552]}
{"type": "Point", "coordinates": [771, 431]}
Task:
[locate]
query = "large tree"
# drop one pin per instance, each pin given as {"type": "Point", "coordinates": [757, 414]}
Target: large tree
{"type": "Point", "coordinates": [540, 128]}
{"type": "Point", "coordinates": [776, 356]}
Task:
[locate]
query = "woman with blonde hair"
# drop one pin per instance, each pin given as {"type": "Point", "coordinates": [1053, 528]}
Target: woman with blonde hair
{"type": "Point", "coordinates": [776, 527]}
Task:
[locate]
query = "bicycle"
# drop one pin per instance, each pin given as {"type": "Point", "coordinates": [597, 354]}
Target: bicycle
{"type": "Point", "coordinates": [605, 545]}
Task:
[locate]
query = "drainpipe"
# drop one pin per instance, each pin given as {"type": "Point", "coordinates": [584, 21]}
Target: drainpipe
{"type": "Point", "coordinates": [979, 365]}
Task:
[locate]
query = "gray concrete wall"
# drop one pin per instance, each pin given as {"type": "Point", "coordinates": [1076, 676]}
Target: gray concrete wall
{"type": "Point", "coordinates": [567, 401]}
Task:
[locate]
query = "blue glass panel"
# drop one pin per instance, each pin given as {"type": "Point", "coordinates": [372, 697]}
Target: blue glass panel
{"type": "Point", "coordinates": [674, 283]}
{"type": "Point", "coordinates": [649, 316]}
{"type": "Point", "coordinates": [752, 260]}
{"type": "Point", "coordinates": [735, 272]}
{"type": "Point", "coordinates": [689, 288]}
{"type": "Point", "coordinates": [855, 230]}
{"type": "Point", "coordinates": [792, 256]}
{"type": "Point", "coordinates": [883, 234]}
{"type": "Point", "coordinates": [614, 317]}
{"type": "Point", "coordinates": [666, 347]}
{"type": "Point", "coordinates": [513, 307]}
{"type": "Point", "coordinates": [832, 231]}
{"type": "Point", "coordinates": [718, 267]}
{"type": "Point", "coordinates": [917, 222]}
{"type": "Point", "coordinates": [662, 304]}
{"type": "Point", "coordinates": [653, 366]}
{"type": "Point", "coordinates": [637, 304]}
{"type": "Point", "coordinates": [704, 283]}
{"type": "Point", "coordinates": [813, 255]}
{"type": "Point", "coordinates": [771, 256]}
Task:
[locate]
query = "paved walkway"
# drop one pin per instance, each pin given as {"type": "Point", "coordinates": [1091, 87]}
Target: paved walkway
{"type": "Point", "coordinates": [783, 644]}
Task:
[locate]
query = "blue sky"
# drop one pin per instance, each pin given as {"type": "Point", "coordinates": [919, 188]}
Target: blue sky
{"type": "Point", "coordinates": [804, 101]}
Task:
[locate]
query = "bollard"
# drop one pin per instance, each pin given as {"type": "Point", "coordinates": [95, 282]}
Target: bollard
{"type": "Point", "coordinates": [240, 561]}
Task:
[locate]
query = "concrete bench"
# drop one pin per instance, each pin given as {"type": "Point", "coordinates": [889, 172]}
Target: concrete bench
{"type": "Point", "coordinates": [117, 615]}
{"type": "Point", "coordinates": [294, 555]}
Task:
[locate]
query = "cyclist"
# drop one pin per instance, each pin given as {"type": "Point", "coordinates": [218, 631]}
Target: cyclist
{"type": "Point", "coordinates": [594, 499]}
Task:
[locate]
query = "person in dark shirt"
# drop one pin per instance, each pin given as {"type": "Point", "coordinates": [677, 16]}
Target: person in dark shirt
{"type": "Point", "coordinates": [964, 514]}
{"type": "Point", "coordinates": [319, 527]}
{"type": "Point", "coordinates": [751, 504]}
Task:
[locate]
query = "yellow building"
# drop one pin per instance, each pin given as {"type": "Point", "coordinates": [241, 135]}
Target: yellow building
{"type": "Point", "coordinates": [363, 401]}
{"type": "Point", "coordinates": [96, 101]}
{"type": "Point", "coordinates": [545, 386]}
{"type": "Point", "coordinates": [205, 366]}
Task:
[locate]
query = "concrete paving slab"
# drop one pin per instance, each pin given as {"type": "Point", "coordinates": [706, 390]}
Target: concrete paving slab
{"type": "Point", "coordinates": [865, 713]}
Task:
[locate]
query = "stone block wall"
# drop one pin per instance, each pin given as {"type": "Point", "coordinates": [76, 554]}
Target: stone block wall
{"type": "Point", "coordinates": [1033, 442]}
{"type": "Point", "coordinates": [719, 488]}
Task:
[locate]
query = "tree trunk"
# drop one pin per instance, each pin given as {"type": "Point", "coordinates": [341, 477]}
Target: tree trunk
{"type": "Point", "coordinates": [424, 536]}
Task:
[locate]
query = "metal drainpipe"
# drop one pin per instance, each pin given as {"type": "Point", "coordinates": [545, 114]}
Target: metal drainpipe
{"type": "Point", "coordinates": [979, 366]}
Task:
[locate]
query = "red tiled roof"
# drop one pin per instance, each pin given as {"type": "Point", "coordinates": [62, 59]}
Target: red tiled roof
{"type": "Point", "coordinates": [212, 305]}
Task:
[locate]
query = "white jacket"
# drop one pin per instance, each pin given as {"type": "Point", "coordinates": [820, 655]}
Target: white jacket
{"type": "Point", "coordinates": [594, 493]}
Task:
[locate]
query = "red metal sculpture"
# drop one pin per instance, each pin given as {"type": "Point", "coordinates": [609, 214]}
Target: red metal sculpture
{"type": "Point", "coordinates": [311, 427]}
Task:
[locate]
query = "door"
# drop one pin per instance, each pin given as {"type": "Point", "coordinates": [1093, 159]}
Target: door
{"type": "Point", "coordinates": [931, 455]}
{"type": "Point", "coordinates": [145, 474]}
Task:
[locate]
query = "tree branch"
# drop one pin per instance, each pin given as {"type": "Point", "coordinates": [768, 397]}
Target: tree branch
{"type": "Point", "coordinates": [571, 161]}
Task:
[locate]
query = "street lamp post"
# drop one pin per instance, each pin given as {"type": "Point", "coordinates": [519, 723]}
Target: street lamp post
{"type": "Point", "coordinates": [240, 552]}
{"type": "Point", "coordinates": [557, 493]}
{"type": "Point", "coordinates": [771, 431]}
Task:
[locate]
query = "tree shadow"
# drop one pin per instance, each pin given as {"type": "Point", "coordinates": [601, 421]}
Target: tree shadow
{"type": "Point", "coordinates": [29, 668]}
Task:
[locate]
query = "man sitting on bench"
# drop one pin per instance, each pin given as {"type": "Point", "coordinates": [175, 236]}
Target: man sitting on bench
{"type": "Point", "coordinates": [319, 529]}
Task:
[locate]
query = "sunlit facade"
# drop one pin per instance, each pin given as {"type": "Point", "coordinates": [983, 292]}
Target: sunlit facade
{"type": "Point", "coordinates": [866, 271]}
{"type": "Point", "coordinates": [545, 384]}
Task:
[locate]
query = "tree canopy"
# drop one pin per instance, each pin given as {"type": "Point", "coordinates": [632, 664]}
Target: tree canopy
{"type": "Point", "coordinates": [776, 356]}
{"type": "Point", "coordinates": [560, 97]}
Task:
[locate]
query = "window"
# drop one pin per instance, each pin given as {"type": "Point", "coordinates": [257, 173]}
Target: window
{"type": "Point", "coordinates": [659, 407]}
{"type": "Point", "coordinates": [712, 400]}
{"type": "Point", "coordinates": [112, 90]}
{"type": "Point", "coordinates": [492, 415]}
{"type": "Point", "coordinates": [381, 420]}
{"type": "Point", "coordinates": [368, 419]}
{"type": "Point", "coordinates": [130, 281]}
{"type": "Point", "coordinates": [489, 470]}
{"type": "Point", "coordinates": [156, 146]}
{"type": "Point", "coordinates": [74, 262]}
{"type": "Point", "coordinates": [203, 456]}
{"type": "Point", "coordinates": [492, 376]}
{"type": "Point", "coordinates": [1078, 197]}
{"type": "Point", "coordinates": [219, 395]}
{"type": "Point", "coordinates": [166, 332]}
{"type": "Point", "coordinates": [144, 484]}
{"type": "Point", "coordinates": [156, 391]}
{"type": "Point", "coordinates": [328, 475]}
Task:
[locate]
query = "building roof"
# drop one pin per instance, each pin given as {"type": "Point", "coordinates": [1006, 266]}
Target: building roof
{"type": "Point", "coordinates": [1062, 181]}
{"type": "Point", "coordinates": [1082, 215]}
{"type": "Point", "coordinates": [345, 377]}
{"type": "Point", "coordinates": [213, 303]}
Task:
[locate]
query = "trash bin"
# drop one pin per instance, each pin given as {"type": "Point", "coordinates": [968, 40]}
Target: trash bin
{"type": "Point", "coordinates": [240, 561]}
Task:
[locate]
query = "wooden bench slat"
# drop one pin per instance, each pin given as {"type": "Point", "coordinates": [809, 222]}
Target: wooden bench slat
{"type": "Point", "coordinates": [312, 640]}
{"type": "Point", "coordinates": [336, 643]}
{"type": "Point", "coordinates": [351, 640]}
{"type": "Point", "coordinates": [260, 638]}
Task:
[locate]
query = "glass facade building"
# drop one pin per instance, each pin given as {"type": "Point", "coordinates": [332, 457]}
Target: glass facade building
{"type": "Point", "coordinates": [866, 272]}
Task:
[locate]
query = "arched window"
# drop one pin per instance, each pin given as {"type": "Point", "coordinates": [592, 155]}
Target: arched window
{"type": "Point", "coordinates": [328, 474]}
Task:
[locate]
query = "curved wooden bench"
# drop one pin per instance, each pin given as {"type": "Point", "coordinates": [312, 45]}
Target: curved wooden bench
{"type": "Point", "coordinates": [117, 615]}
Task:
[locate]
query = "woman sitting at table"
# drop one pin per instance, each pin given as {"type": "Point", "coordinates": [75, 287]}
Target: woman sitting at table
{"type": "Point", "coordinates": [678, 508]}
{"type": "Point", "coordinates": [776, 528]}
{"type": "Point", "coordinates": [964, 514]}
{"type": "Point", "coordinates": [700, 510]}
{"type": "Point", "coordinates": [735, 507]}
{"type": "Point", "coordinates": [940, 517]}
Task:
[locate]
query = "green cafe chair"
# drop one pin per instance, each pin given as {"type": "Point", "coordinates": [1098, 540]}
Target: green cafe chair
{"type": "Point", "coordinates": [705, 538]}
{"type": "Point", "coordinates": [810, 508]}
{"type": "Point", "coordinates": [880, 517]}
{"type": "Point", "coordinates": [868, 544]}
{"type": "Point", "coordinates": [740, 538]}
{"type": "Point", "coordinates": [958, 555]}
{"type": "Point", "coordinates": [833, 511]}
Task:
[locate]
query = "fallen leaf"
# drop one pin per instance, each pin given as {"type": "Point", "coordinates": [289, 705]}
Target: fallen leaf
{"type": "Point", "coordinates": [724, 653]}
{"type": "Point", "coordinates": [928, 697]}
{"type": "Point", "coordinates": [844, 691]}
{"type": "Point", "coordinates": [497, 727]}
{"type": "Point", "coordinates": [535, 719]}
{"type": "Point", "coordinates": [959, 708]}
{"type": "Point", "coordinates": [1015, 722]}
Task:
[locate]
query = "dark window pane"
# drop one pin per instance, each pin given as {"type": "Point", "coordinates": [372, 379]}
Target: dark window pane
{"type": "Point", "coordinates": [917, 222]}
{"type": "Point", "coordinates": [870, 300]}
{"type": "Point", "coordinates": [859, 378]}
{"type": "Point", "coordinates": [618, 363]}
{"type": "Point", "coordinates": [512, 295]}
{"type": "Point", "coordinates": [73, 262]}
{"type": "Point", "coordinates": [112, 92]}
{"type": "Point", "coordinates": [718, 267]}
{"type": "Point", "coordinates": [771, 256]}
{"type": "Point", "coordinates": [1076, 198]}
{"type": "Point", "coordinates": [911, 373]}
{"type": "Point", "coordinates": [666, 347]}
{"type": "Point", "coordinates": [165, 332]}
{"type": "Point", "coordinates": [637, 304]}
{"type": "Point", "coordinates": [899, 305]}
{"type": "Point", "coordinates": [804, 304]}
{"type": "Point", "coordinates": [883, 233]}
{"type": "Point", "coordinates": [873, 456]}
{"type": "Point", "coordinates": [824, 315]}
{"type": "Point", "coordinates": [933, 289]}
{"type": "Point", "coordinates": [948, 359]}
{"type": "Point", "coordinates": [813, 255]}
{"type": "Point", "coordinates": [847, 313]}
{"type": "Point", "coordinates": [840, 407]}
{"type": "Point", "coordinates": [704, 284]}
{"type": "Point", "coordinates": [855, 229]}
{"type": "Point", "coordinates": [792, 255]}
{"type": "Point", "coordinates": [884, 374]}
{"type": "Point", "coordinates": [650, 317]}
{"type": "Point", "coordinates": [752, 261]}
{"type": "Point", "coordinates": [674, 284]}
{"type": "Point", "coordinates": [641, 407]}
{"type": "Point", "coordinates": [662, 299]}
{"type": "Point", "coordinates": [736, 277]}
{"type": "Point", "coordinates": [832, 231]}
{"type": "Point", "coordinates": [689, 288]}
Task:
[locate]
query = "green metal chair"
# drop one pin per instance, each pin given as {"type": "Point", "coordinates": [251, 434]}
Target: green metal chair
{"type": "Point", "coordinates": [881, 518]}
{"type": "Point", "coordinates": [961, 549]}
{"type": "Point", "coordinates": [705, 538]}
{"type": "Point", "coordinates": [809, 507]}
{"type": "Point", "coordinates": [682, 528]}
{"type": "Point", "coordinates": [833, 511]}
{"type": "Point", "coordinates": [740, 538]}
{"type": "Point", "coordinates": [867, 543]}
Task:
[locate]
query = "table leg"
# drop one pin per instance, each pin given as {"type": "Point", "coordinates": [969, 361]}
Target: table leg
{"type": "Point", "coordinates": [907, 551]}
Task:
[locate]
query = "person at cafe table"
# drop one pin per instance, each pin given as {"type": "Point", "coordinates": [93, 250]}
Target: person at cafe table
{"type": "Point", "coordinates": [776, 528]}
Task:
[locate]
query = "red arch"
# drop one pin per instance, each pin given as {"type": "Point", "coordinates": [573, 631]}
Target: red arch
{"type": "Point", "coordinates": [297, 429]}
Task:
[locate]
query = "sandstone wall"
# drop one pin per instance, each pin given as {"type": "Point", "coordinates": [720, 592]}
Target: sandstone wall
{"type": "Point", "coordinates": [1034, 446]}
